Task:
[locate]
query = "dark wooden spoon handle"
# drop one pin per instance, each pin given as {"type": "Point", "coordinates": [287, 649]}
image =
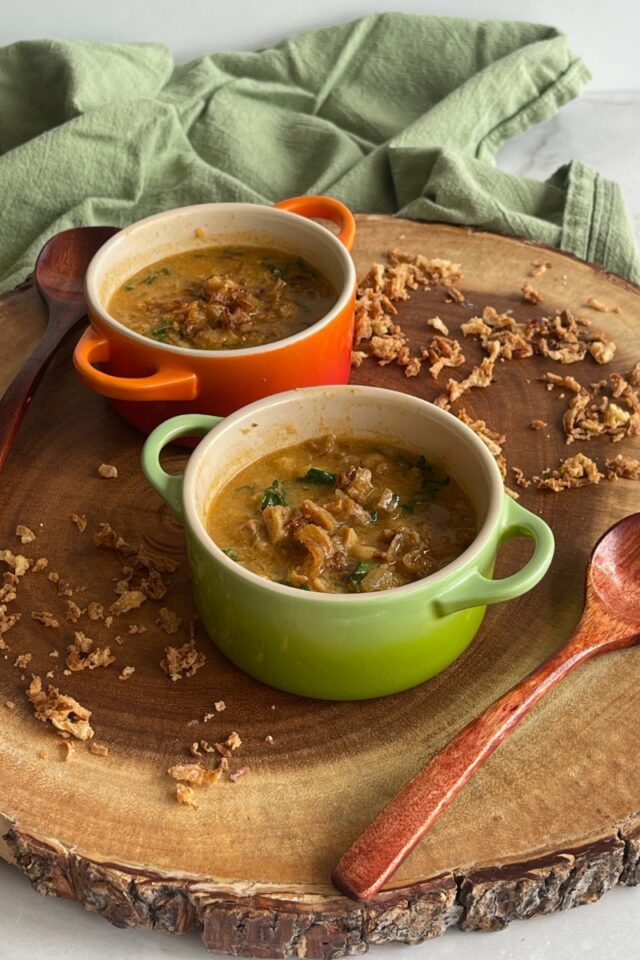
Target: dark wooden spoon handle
{"type": "Point", "coordinates": [390, 838]}
{"type": "Point", "coordinates": [18, 394]}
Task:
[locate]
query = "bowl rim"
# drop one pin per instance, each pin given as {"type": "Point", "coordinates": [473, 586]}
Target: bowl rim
{"type": "Point", "coordinates": [235, 421]}
{"type": "Point", "coordinates": [94, 301]}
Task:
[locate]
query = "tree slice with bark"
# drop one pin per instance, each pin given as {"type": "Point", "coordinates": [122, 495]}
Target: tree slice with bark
{"type": "Point", "coordinates": [550, 821]}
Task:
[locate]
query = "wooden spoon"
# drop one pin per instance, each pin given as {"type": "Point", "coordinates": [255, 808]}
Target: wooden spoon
{"type": "Point", "coordinates": [59, 275]}
{"type": "Point", "coordinates": [610, 621]}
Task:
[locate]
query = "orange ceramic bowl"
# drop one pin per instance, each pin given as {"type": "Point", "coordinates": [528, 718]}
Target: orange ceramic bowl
{"type": "Point", "coordinates": [147, 381]}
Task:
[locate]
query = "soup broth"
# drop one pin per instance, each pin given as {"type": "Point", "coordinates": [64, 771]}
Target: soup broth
{"type": "Point", "coordinates": [223, 298]}
{"type": "Point", "coordinates": [342, 516]}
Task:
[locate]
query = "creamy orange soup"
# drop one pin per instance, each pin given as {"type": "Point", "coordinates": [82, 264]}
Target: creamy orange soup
{"type": "Point", "coordinates": [342, 516]}
{"type": "Point", "coordinates": [223, 298]}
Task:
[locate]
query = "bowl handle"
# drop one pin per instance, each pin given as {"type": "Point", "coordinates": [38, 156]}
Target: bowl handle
{"type": "Point", "coordinates": [324, 208]}
{"type": "Point", "coordinates": [477, 591]}
{"type": "Point", "coordinates": [169, 485]}
{"type": "Point", "coordinates": [166, 383]}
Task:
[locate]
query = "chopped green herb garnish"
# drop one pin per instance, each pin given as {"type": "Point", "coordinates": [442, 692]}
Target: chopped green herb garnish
{"type": "Point", "coordinates": [374, 515]}
{"type": "Point", "coordinates": [160, 331]}
{"type": "Point", "coordinates": [360, 573]}
{"type": "Point", "coordinates": [274, 496]}
{"type": "Point", "coordinates": [432, 478]}
{"type": "Point", "coordinates": [299, 264]}
{"type": "Point", "coordinates": [231, 554]}
{"type": "Point", "coordinates": [295, 267]}
{"type": "Point", "coordinates": [153, 276]}
{"type": "Point", "coordinates": [271, 267]}
{"type": "Point", "coordinates": [130, 286]}
{"type": "Point", "coordinates": [323, 477]}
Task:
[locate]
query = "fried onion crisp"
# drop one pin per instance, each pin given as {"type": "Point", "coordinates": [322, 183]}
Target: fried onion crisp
{"type": "Point", "coordinates": [62, 711]}
{"type": "Point", "coordinates": [182, 661]}
{"type": "Point", "coordinates": [627, 468]}
{"type": "Point", "coordinates": [377, 332]}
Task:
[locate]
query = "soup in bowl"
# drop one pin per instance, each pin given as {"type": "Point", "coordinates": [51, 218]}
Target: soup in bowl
{"type": "Point", "coordinates": [208, 308]}
{"type": "Point", "coordinates": [298, 612]}
{"type": "Point", "coordinates": [341, 515]}
{"type": "Point", "coordinates": [223, 298]}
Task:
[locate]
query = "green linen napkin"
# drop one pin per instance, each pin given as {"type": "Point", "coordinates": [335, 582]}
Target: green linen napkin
{"type": "Point", "coordinates": [390, 113]}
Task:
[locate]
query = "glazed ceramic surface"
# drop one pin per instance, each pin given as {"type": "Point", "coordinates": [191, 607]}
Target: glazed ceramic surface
{"type": "Point", "coordinates": [148, 381]}
{"type": "Point", "coordinates": [347, 646]}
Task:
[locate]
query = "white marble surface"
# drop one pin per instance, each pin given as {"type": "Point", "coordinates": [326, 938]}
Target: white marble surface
{"type": "Point", "coordinates": [602, 130]}
{"type": "Point", "coordinates": [37, 928]}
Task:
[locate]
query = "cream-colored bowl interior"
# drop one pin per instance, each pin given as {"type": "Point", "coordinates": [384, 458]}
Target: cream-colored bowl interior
{"type": "Point", "coordinates": [362, 412]}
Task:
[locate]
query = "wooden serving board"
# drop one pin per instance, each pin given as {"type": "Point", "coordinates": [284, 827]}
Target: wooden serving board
{"type": "Point", "coordinates": [549, 822]}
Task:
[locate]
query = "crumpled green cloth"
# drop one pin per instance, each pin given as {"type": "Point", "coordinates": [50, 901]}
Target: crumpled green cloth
{"type": "Point", "coordinates": [390, 113]}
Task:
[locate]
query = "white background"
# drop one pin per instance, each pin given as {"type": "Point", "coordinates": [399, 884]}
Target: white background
{"type": "Point", "coordinates": [603, 130]}
{"type": "Point", "coordinates": [605, 33]}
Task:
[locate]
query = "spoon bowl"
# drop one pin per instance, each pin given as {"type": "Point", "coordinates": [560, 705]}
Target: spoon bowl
{"type": "Point", "coordinates": [59, 277]}
{"type": "Point", "coordinates": [614, 573]}
{"type": "Point", "coordinates": [63, 262]}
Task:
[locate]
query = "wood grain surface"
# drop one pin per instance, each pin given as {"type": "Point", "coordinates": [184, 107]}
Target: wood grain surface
{"type": "Point", "coordinates": [549, 822]}
{"type": "Point", "coordinates": [610, 622]}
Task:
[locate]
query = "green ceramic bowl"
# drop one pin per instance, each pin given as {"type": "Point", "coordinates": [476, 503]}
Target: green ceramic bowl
{"type": "Point", "coordinates": [347, 646]}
